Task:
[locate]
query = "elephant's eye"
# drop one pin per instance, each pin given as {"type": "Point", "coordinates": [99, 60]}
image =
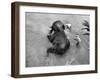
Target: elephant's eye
{"type": "Point", "coordinates": [63, 27]}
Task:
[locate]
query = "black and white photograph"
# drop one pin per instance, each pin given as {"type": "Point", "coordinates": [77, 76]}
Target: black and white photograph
{"type": "Point", "coordinates": [57, 39]}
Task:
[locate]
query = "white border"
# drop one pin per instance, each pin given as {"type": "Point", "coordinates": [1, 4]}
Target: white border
{"type": "Point", "coordinates": [36, 70]}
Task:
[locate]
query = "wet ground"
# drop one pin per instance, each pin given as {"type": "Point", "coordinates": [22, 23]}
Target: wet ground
{"type": "Point", "coordinates": [37, 42]}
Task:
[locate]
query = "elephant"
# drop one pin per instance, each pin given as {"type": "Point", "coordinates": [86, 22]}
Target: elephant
{"type": "Point", "coordinates": [58, 39]}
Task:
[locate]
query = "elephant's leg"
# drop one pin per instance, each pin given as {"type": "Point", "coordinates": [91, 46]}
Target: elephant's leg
{"type": "Point", "coordinates": [50, 50]}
